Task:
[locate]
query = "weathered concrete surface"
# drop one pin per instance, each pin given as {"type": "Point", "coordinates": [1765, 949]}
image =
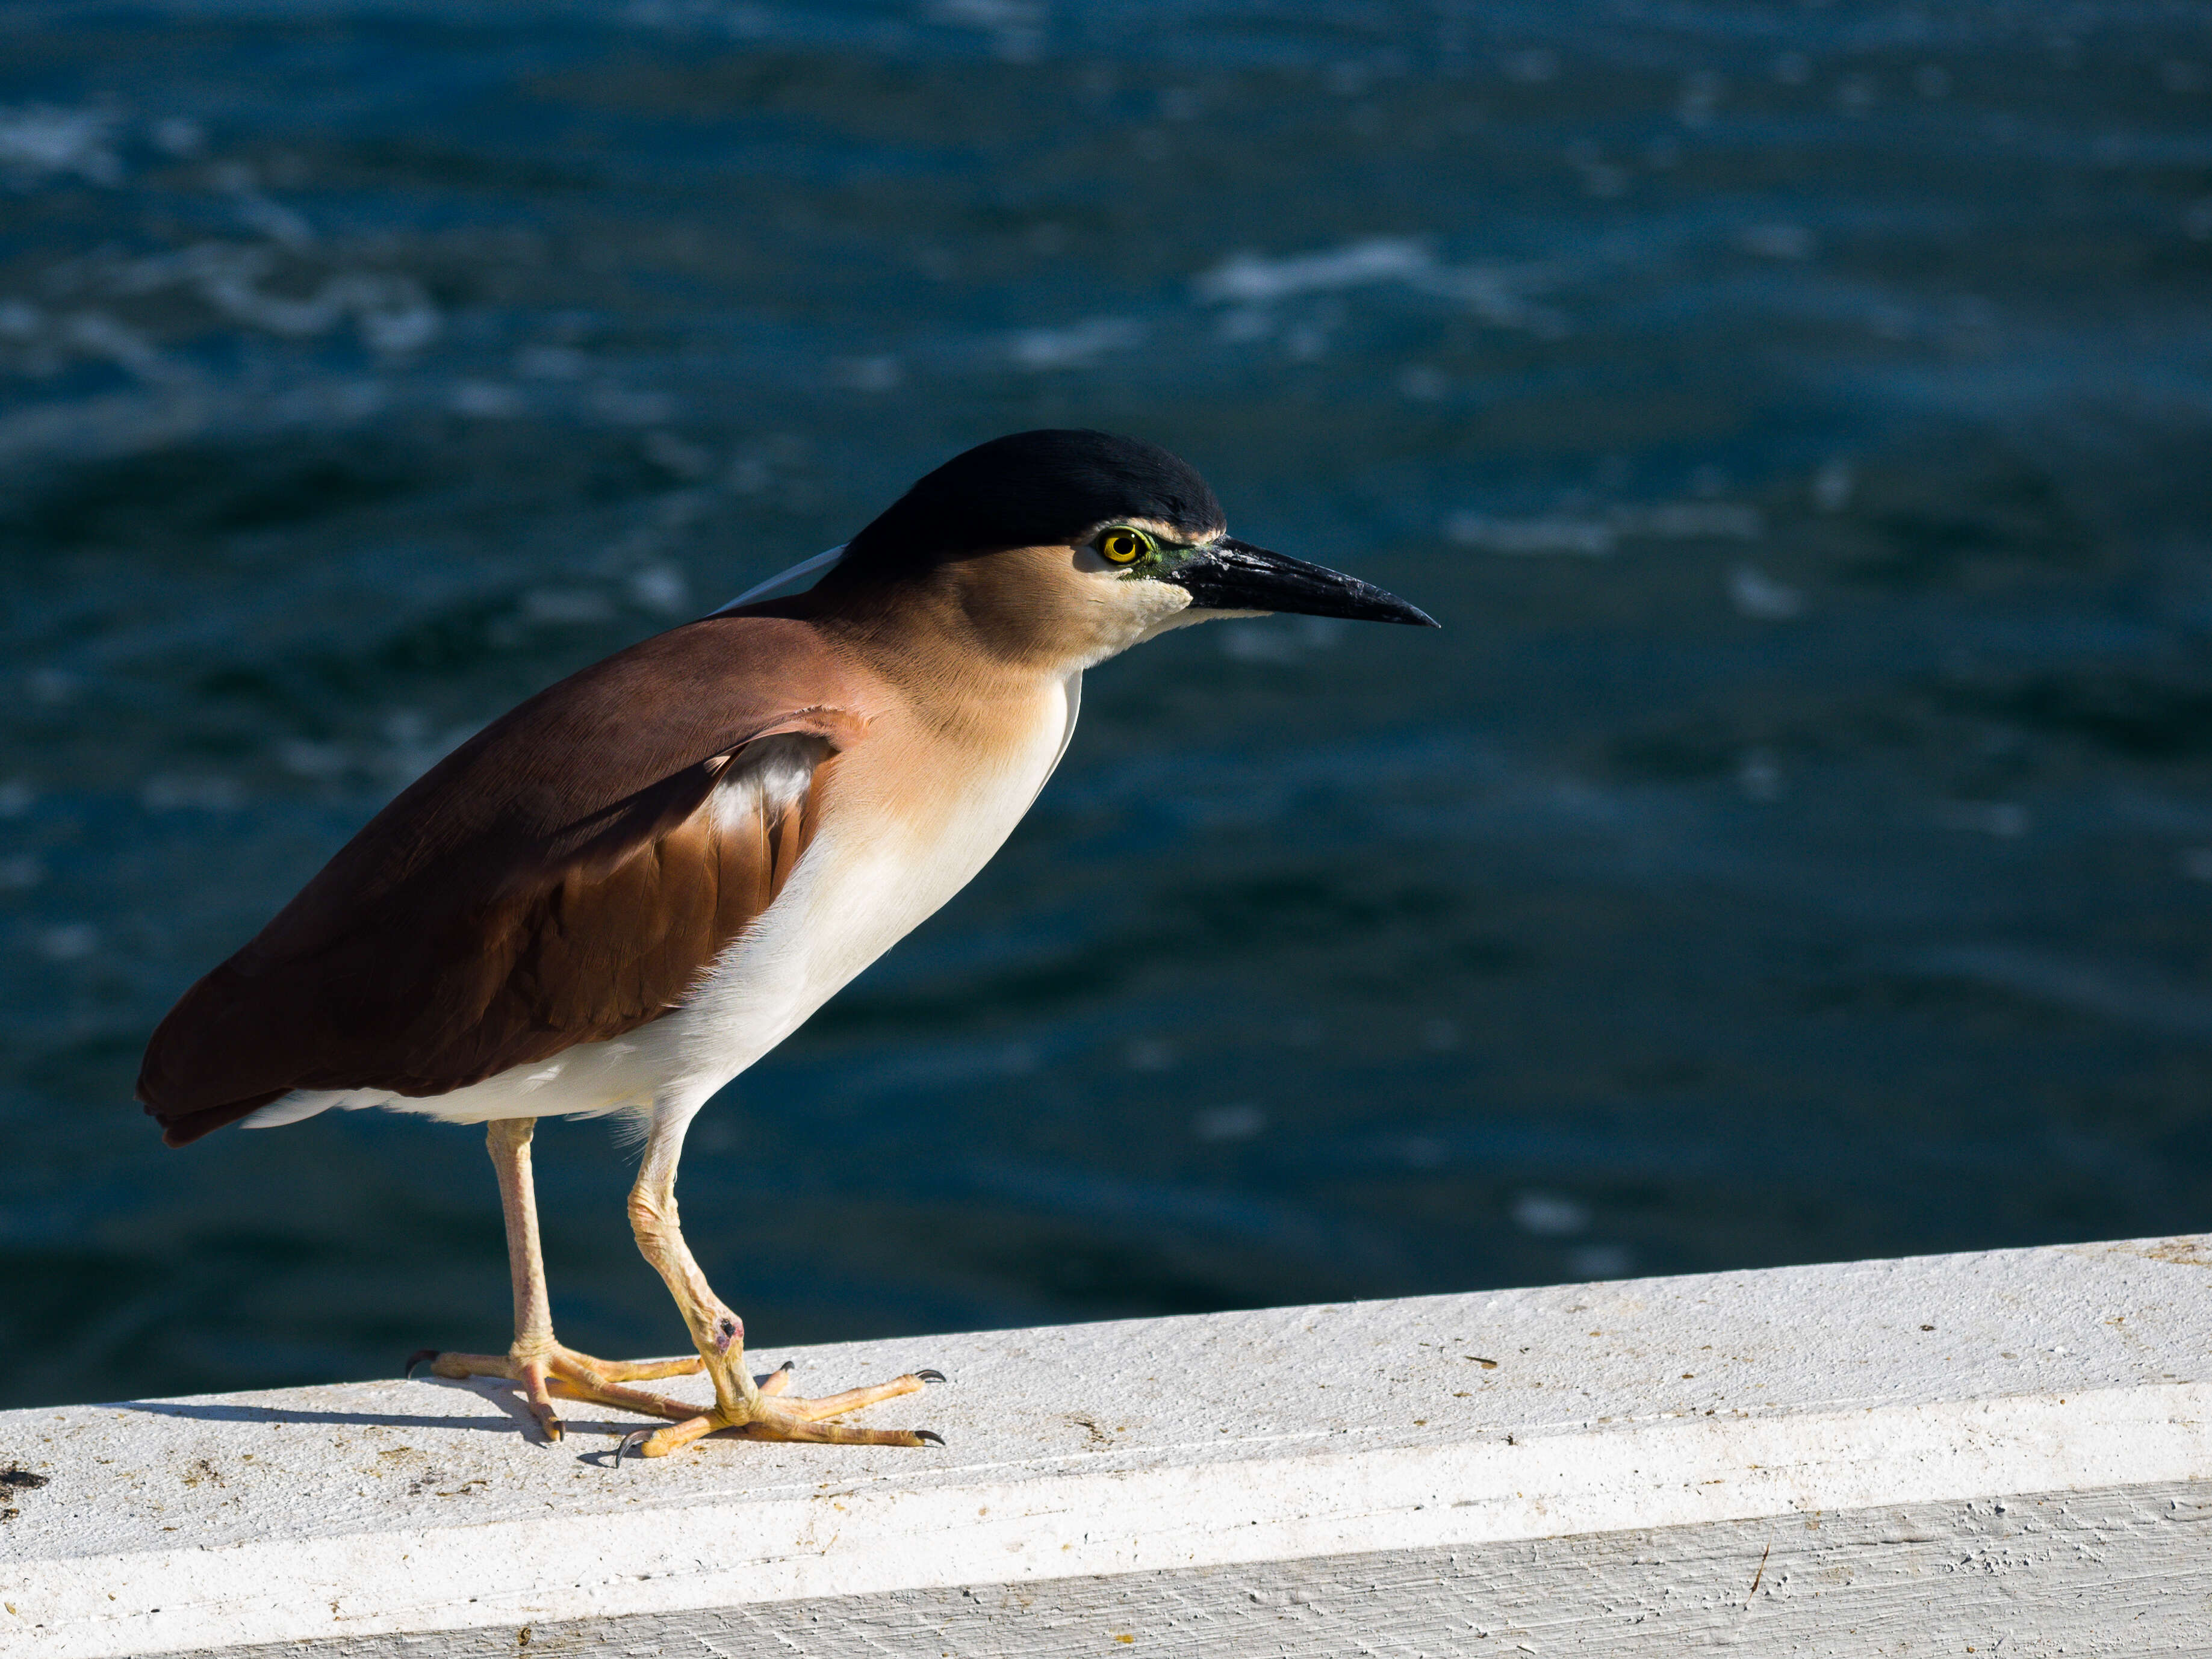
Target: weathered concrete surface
{"type": "Point", "coordinates": [1922, 1455]}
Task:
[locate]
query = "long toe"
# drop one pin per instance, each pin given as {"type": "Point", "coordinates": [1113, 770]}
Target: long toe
{"type": "Point", "coordinates": [608, 1375]}
{"type": "Point", "coordinates": [837, 1405]}
{"type": "Point", "coordinates": [779, 1416]}
{"type": "Point", "coordinates": [658, 1442]}
{"type": "Point", "coordinates": [642, 1371]}
{"type": "Point", "coordinates": [834, 1434]}
{"type": "Point", "coordinates": [549, 1420]}
{"type": "Point", "coordinates": [564, 1374]}
{"type": "Point", "coordinates": [454, 1367]}
{"type": "Point", "coordinates": [540, 1402]}
{"type": "Point", "coordinates": [622, 1398]}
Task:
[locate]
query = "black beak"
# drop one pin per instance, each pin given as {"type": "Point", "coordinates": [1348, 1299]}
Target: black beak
{"type": "Point", "coordinates": [1234, 575]}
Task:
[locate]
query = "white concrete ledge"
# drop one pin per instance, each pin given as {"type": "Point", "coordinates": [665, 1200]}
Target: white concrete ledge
{"type": "Point", "coordinates": [2005, 1452]}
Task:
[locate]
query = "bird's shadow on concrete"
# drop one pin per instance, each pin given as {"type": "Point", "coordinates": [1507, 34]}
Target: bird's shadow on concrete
{"type": "Point", "coordinates": [506, 1397]}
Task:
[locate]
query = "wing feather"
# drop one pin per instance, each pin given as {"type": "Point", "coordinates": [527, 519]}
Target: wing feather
{"type": "Point", "coordinates": [566, 877]}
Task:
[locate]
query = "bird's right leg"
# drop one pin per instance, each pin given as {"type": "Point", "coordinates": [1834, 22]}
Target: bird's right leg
{"type": "Point", "coordinates": [536, 1360]}
{"type": "Point", "coordinates": [756, 1409]}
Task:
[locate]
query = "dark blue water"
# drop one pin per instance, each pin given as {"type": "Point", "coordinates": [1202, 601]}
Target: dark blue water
{"type": "Point", "coordinates": [1798, 844]}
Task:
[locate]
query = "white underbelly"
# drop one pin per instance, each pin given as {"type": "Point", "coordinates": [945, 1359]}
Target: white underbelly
{"type": "Point", "coordinates": [867, 879]}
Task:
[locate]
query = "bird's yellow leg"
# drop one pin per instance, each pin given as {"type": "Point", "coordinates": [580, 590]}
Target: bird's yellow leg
{"type": "Point", "coordinates": [756, 1411]}
{"type": "Point", "coordinates": [537, 1361]}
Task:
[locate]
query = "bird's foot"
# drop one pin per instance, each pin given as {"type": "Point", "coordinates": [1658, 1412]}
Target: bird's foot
{"type": "Point", "coordinates": [775, 1414]}
{"type": "Point", "coordinates": [573, 1376]}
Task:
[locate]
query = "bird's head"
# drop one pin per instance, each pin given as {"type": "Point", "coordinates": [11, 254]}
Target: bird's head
{"type": "Point", "coordinates": [1065, 547]}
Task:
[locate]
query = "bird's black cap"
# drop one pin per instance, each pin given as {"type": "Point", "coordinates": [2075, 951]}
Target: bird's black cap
{"type": "Point", "coordinates": [1032, 489]}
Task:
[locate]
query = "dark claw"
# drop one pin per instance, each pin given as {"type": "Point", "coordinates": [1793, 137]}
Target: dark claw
{"type": "Point", "coordinates": [418, 1357]}
{"type": "Point", "coordinates": [789, 1366]}
{"type": "Point", "coordinates": [930, 1435]}
{"type": "Point", "coordinates": [931, 1376]}
{"type": "Point", "coordinates": [630, 1443]}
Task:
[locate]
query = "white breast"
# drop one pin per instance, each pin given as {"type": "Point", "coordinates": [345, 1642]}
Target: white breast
{"type": "Point", "coordinates": [868, 879]}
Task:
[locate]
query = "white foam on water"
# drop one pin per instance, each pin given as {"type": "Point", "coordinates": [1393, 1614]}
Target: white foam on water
{"type": "Point", "coordinates": [1498, 294]}
{"type": "Point", "coordinates": [1078, 345]}
{"type": "Point", "coordinates": [1249, 279]}
{"type": "Point", "coordinates": [38, 142]}
{"type": "Point", "coordinates": [1589, 539]}
{"type": "Point", "coordinates": [1758, 595]}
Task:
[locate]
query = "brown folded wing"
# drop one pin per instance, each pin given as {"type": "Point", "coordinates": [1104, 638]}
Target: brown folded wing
{"type": "Point", "coordinates": [564, 877]}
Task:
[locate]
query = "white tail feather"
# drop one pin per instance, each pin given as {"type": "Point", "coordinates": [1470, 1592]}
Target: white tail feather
{"type": "Point", "coordinates": [308, 1103]}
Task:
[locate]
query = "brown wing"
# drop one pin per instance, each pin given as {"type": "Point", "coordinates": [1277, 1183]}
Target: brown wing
{"type": "Point", "coordinates": [564, 877]}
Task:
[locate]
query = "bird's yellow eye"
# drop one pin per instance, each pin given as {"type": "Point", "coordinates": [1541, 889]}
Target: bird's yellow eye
{"type": "Point", "coordinates": [1122, 545]}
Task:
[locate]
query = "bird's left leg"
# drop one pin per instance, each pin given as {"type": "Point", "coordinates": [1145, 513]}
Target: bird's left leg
{"type": "Point", "coordinates": [537, 1360]}
{"type": "Point", "coordinates": [752, 1410]}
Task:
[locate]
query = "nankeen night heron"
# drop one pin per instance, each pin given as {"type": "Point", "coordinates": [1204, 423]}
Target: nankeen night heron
{"type": "Point", "coordinates": [622, 893]}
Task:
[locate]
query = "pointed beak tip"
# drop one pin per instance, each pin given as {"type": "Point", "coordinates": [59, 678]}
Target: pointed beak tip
{"type": "Point", "coordinates": [1384, 607]}
{"type": "Point", "coordinates": [1236, 576]}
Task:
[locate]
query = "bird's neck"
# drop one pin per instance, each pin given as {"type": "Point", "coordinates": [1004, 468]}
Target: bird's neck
{"type": "Point", "coordinates": [1001, 622]}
